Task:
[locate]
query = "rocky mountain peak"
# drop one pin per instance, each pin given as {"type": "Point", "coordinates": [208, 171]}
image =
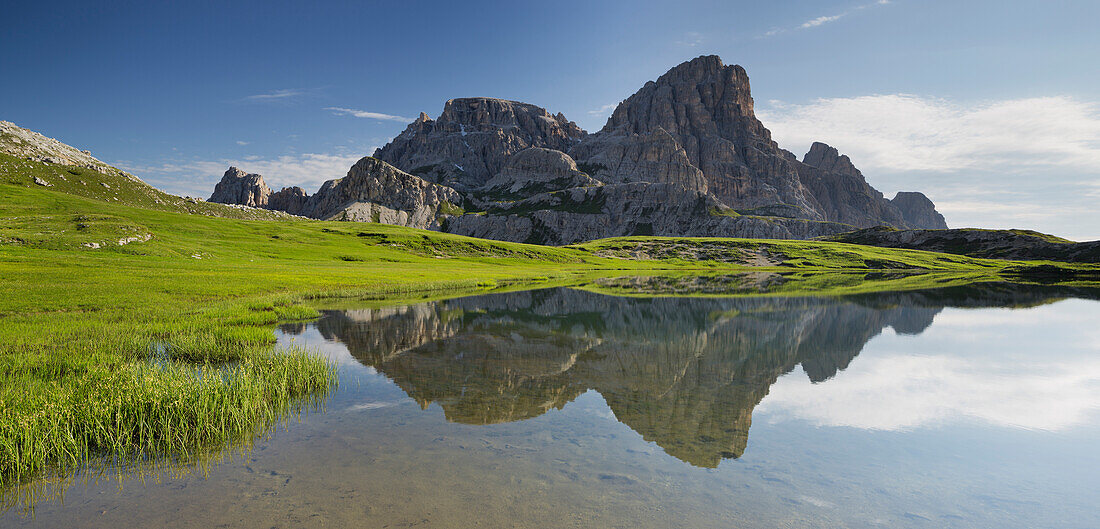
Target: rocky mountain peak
{"type": "Point", "coordinates": [827, 158]}
{"type": "Point", "coordinates": [698, 97]}
{"type": "Point", "coordinates": [707, 109]}
{"type": "Point", "coordinates": [472, 139]}
{"type": "Point", "coordinates": [239, 187]}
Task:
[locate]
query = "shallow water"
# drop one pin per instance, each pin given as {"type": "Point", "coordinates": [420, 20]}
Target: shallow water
{"type": "Point", "coordinates": [963, 407]}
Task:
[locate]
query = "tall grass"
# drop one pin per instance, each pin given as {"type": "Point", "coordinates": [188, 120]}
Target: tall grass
{"type": "Point", "coordinates": [139, 409]}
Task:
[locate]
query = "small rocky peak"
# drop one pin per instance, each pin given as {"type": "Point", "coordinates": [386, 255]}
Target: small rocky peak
{"type": "Point", "coordinates": [240, 187]}
{"type": "Point", "coordinates": [422, 118]}
{"type": "Point", "coordinates": [918, 210]}
{"type": "Point", "coordinates": [828, 159]}
{"type": "Point", "coordinates": [698, 97]}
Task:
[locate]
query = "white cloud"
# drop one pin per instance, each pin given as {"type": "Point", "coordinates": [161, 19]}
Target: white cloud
{"type": "Point", "coordinates": [367, 114]}
{"type": "Point", "coordinates": [895, 392]}
{"type": "Point", "coordinates": [820, 20]}
{"type": "Point", "coordinates": [603, 110]}
{"type": "Point", "coordinates": [913, 133]}
{"type": "Point", "coordinates": [277, 95]}
{"type": "Point", "coordinates": [994, 365]}
{"type": "Point", "coordinates": [242, 143]}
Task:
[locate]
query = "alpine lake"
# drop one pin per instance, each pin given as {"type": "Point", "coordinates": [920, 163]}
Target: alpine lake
{"type": "Point", "coordinates": [631, 404]}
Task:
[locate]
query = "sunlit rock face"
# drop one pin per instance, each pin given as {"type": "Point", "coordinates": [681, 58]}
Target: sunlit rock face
{"type": "Point", "coordinates": [239, 187]}
{"type": "Point", "coordinates": [473, 138]}
{"type": "Point", "coordinates": [684, 373]}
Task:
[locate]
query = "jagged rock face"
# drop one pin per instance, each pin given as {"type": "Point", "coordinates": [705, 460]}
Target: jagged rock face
{"type": "Point", "coordinates": [707, 107]}
{"type": "Point", "coordinates": [239, 187]}
{"type": "Point", "coordinates": [536, 170]}
{"type": "Point", "coordinates": [473, 138]}
{"type": "Point", "coordinates": [375, 191]}
{"type": "Point", "coordinates": [828, 159]}
{"type": "Point", "coordinates": [918, 211]}
{"type": "Point", "coordinates": [289, 199]}
{"type": "Point", "coordinates": [841, 191]}
{"type": "Point", "coordinates": [638, 208]}
{"type": "Point", "coordinates": [656, 157]}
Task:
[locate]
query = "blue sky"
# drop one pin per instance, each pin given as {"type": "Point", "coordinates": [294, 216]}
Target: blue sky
{"type": "Point", "coordinates": [991, 108]}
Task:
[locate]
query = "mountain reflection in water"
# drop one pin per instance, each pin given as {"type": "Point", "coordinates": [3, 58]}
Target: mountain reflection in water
{"type": "Point", "coordinates": [685, 373]}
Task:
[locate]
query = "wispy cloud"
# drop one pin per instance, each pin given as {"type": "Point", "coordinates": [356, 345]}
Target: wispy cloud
{"type": "Point", "coordinates": [824, 19]}
{"type": "Point", "coordinates": [367, 114]}
{"type": "Point", "coordinates": [242, 143]}
{"type": "Point", "coordinates": [691, 39]}
{"type": "Point", "coordinates": [276, 95]}
{"type": "Point", "coordinates": [603, 110]}
{"type": "Point", "coordinates": [820, 20]}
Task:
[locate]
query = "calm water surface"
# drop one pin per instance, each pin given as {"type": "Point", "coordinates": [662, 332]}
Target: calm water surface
{"type": "Point", "coordinates": [966, 407]}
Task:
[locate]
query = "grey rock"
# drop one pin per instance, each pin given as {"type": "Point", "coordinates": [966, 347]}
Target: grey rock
{"type": "Point", "coordinates": [375, 191]}
{"type": "Point", "coordinates": [239, 187]}
{"type": "Point", "coordinates": [636, 208]}
{"type": "Point", "coordinates": [42, 182]}
{"type": "Point", "coordinates": [918, 211]}
{"type": "Point", "coordinates": [473, 138]}
{"type": "Point", "coordinates": [842, 193]}
{"type": "Point", "coordinates": [653, 157]}
{"type": "Point", "coordinates": [707, 108]}
{"type": "Point", "coordinates": [533, 171]}
{"type": "Point", "coordinates": [289, 199]}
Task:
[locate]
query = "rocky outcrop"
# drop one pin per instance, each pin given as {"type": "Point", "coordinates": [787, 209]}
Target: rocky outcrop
{"type": "Point", "coordinates": [918, 211]}
{"type": "Point", "coordinates": [707, 108]}
{"type": "Point", "coordinates": [472, 139]}
{"type": "Point", "coordinates": [375, 191]}
{"type": "Point", "coordinates": [533, 171]}
{"type": "Point", "coordinates": [841, 191]}
{"type": "Point", "coordinates": [996, 244]}
{"type": "Point", "coordinates": [656, 157]}
{"type": "Point", "coordinates": [289, 199]}
{"type": "Point", "coordinates": [239, 187]}
{"type": "Point", "coordinates": [638, 208]}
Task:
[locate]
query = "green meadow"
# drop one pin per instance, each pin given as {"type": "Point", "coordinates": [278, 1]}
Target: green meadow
{"type": "Point", "coordinates": [136, 324]}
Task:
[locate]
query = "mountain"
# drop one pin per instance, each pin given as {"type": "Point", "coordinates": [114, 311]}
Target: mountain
{"type": "Point", "coordinates": [470, 142]}
{"type": "Point", "coordinates": [685, 155]}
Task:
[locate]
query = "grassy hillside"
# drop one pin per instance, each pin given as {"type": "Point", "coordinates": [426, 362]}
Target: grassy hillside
{"type": "Point", "coordinates": [137, 323]}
